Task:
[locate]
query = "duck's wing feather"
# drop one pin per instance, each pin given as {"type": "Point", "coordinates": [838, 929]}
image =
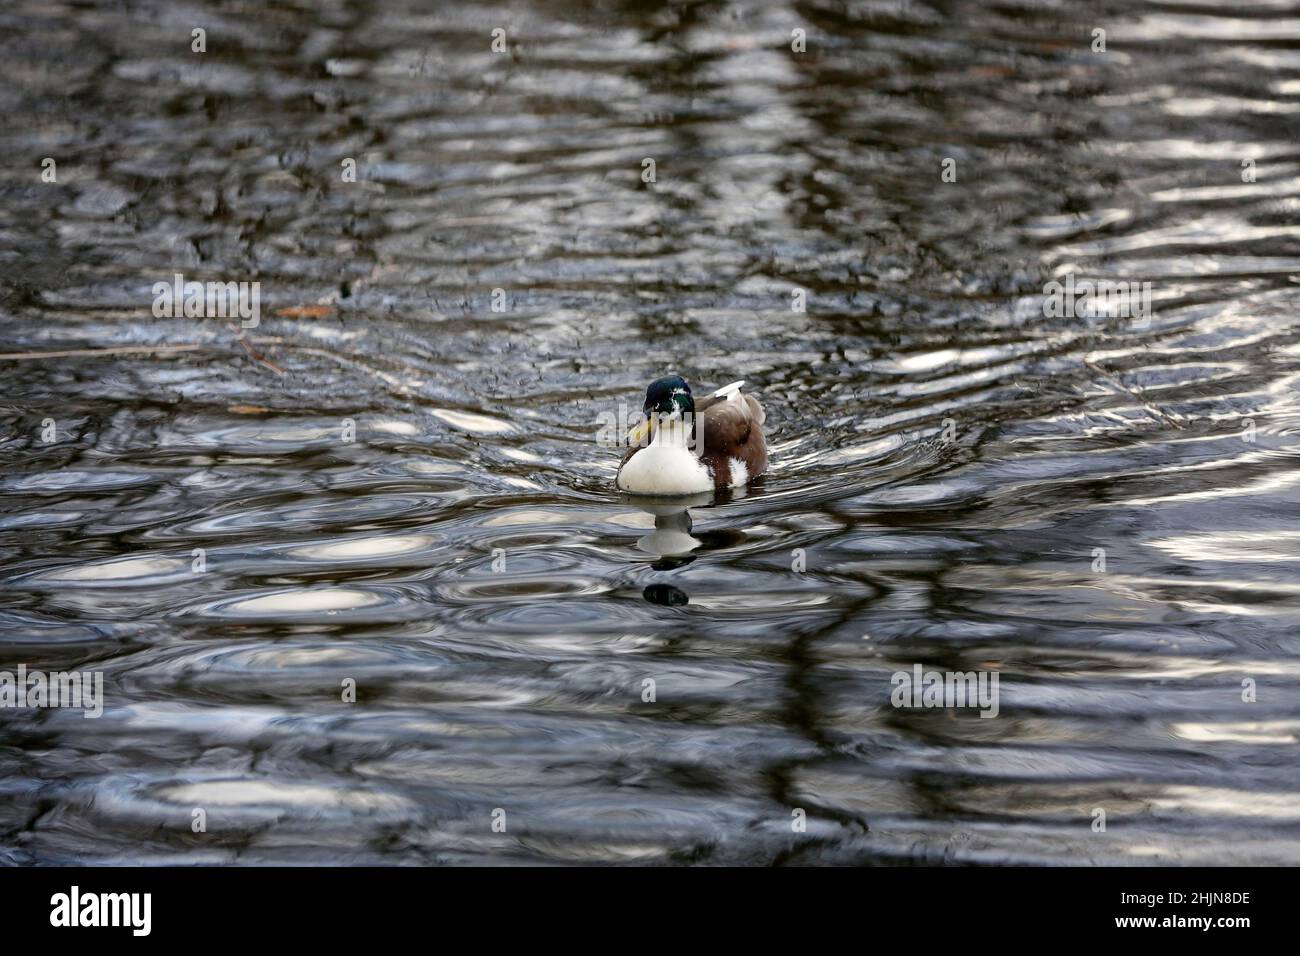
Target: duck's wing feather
{"type": "Point", "coordinates": [704, 404]}
{"type": "Point", "coordinates": [720, 395]}
{"type": "Point", "coordinates": [733, 428]}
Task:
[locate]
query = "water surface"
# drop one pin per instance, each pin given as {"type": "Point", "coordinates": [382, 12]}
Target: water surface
{"type": "Point", "coordinates": [394, 479]}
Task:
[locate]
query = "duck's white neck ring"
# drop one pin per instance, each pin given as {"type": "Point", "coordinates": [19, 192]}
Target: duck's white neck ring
{"type": "Point", "coordinates": [671, 431]}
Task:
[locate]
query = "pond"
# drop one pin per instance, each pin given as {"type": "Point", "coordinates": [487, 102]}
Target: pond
{"type": "Point", "coordinates": [1019, 298]}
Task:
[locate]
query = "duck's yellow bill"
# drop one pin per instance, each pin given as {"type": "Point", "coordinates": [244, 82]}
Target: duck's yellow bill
{"type": "Point", "coordinates": [638, 435]}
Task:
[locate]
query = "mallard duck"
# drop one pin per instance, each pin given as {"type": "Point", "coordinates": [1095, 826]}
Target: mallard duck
{"type": "Point", "coordinates": [694, 446]}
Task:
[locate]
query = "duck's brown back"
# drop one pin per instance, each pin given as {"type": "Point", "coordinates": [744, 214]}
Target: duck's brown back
{"type": "Point", "coordinates": [734, 430]}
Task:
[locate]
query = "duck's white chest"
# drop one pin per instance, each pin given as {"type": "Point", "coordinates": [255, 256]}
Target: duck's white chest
{"type": "Point", "coordinates": [664, 470]}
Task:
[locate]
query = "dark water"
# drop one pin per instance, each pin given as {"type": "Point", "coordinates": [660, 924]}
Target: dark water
{"type": "Point", "coordinates": [946, 459]}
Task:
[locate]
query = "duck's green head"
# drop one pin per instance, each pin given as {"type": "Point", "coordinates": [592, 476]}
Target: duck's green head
{"type": "Point", "coordinates": [667, 396]}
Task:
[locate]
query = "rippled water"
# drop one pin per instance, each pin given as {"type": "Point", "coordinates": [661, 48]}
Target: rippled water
{"type": "Point", "coordinates": [946, 459]}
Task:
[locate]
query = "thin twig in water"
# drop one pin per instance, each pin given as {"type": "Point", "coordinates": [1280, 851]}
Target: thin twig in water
{"type": "Point", "coordinates": [258, 356]}
{"type": "Point", "coordinates": [387, 379]}
{"type": "Point", "coordinates": [128, 350]}
{"type": "Point", "coordinates": [95, 353]}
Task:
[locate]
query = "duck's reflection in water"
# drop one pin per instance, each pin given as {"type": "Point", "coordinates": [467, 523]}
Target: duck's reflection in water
{"type": "Point", "coordinates": [665, 594]}
{"type": "Point", "coordinates": [671, 539]}
{"type": "Point", "coordinates": [674, 542]}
